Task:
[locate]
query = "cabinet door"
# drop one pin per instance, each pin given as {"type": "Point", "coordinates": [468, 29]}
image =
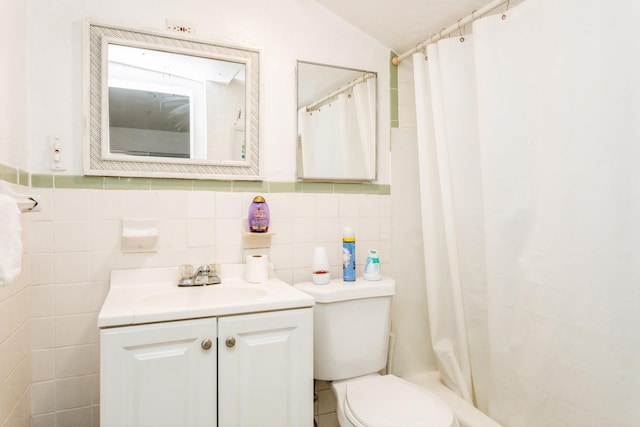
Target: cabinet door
{"type": "Point", "coordinates": [265, 369]}
{"type": "Point", "coordinates": [158, 375]}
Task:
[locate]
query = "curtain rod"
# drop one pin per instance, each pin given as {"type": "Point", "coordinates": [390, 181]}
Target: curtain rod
{"type": "Point", "coordinates": [396, 60]}
{"type": "Point", "coordinates": [319, 103]}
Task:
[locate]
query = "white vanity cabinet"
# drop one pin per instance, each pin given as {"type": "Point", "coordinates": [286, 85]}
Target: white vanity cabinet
{"type": "Point", "coordinates": [173, 374]}
{"type": "Point", "coordinates": [159, 374]}
{"type": "Point", "coordinates": [265, 369]}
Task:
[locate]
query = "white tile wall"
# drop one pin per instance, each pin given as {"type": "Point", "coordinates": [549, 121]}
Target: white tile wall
{"type": "Point", "coordinates": [75, 241]}
{"type": "Point", "coordinates": [15, 355]}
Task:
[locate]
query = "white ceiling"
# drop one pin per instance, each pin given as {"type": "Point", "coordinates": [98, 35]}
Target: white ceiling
{"type": "Point", "coordinates": [402, 24]}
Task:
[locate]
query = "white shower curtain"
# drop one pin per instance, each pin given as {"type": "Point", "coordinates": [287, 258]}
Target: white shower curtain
{"type": "Point", "coordinates": [529, 150]}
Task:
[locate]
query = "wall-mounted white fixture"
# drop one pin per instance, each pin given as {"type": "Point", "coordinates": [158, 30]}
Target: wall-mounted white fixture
{"type": "Point", "coordinates": [55, 145]}
{"type": "Point", "coordinates": [255, 240]}
{"type": "Point", "coordinates": [139, 235]}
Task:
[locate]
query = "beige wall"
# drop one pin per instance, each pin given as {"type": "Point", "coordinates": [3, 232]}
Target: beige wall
{"type": "Point", "coordinates": [14, 148]}
{"type": "Point", "coordinates": [284, 31]}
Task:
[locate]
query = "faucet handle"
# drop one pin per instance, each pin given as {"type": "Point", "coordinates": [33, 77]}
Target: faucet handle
{"type": "Point", "coordinates": [214, 279]}
{"type": "Point", "coordinates": [213, 269]}
{"type": "Point", "coordinates": [186, 275]}
{"type": "Point", "coordinates": [186, 271]}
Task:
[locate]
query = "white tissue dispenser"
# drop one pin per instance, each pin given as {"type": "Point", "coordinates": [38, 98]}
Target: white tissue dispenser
{"type": "Point", "coordinates": [139, 235]}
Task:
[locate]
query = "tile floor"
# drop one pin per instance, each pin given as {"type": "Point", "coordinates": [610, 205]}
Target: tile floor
{"type": "Point", "coordinates": [324, 410]}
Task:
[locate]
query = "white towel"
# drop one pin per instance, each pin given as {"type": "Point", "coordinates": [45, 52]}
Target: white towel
{"type": "Point", "coordinates": [10, 240]}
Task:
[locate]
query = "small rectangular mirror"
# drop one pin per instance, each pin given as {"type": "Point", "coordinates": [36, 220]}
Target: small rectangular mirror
{"type": "Point", "coordinates": [336, 123]}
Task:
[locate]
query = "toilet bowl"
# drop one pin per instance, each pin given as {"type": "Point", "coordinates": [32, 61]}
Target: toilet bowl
{"type": "Point", "coordinates": [351, 322]}
{"type": "Point", "coordinates": [388, 401]}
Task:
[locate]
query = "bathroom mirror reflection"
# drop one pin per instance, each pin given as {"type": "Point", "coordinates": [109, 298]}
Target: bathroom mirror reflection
{"type": "Point", "coordinates": [162, 106]}
{"type": "Point", "coordinates": [336, 123]}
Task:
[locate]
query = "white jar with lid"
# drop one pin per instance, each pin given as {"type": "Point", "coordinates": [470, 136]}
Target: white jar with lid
{"type": "Point", "coordinates": [372, 266]}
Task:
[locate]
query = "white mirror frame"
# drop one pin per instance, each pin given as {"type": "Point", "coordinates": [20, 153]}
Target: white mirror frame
{"type": "Point", "coordinates": [96, 39]}
{"type": "Point", "coordinates": [318, 86]}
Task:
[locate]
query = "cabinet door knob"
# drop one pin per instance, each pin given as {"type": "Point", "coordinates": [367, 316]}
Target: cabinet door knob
{"type": "Point", "coordinates": [206, 344]}
{"type": "Point", "coordinates": [230, 342]}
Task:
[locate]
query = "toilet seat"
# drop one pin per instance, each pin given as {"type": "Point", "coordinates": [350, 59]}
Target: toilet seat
{"type": "Point", "coordinates": [388, 401]}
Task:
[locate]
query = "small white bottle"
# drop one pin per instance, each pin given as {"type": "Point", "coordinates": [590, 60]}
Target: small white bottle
{"type": "Point", "coordinates": [320, 266]}
{"type": "Point", "coordinates": [372, 266]}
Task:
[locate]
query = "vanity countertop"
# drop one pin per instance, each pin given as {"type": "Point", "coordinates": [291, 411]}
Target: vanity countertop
{"type": "Point", "coordinates": [150, 295]}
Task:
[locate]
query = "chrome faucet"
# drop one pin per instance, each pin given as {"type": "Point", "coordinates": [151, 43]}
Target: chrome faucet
{"type": "Point", "coordinates": [204, 275]}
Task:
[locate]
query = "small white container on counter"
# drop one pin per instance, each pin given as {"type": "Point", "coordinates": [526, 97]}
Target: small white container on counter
{"type": "Point", "coordinates": [372, 266]}
{"type": "Point", "coordinates": [320, 267]}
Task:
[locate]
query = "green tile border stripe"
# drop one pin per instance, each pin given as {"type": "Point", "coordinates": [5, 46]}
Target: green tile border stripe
{"type": "Point", "coordinates": [17, 176]}
{"type": "Point", "coordinates": [23, 177]}
{"type": "Point", "coordinates": [14, 175]}
{"type": "Point", "coordinates": [42, 181]}
{"type": "Point", "coordinates": [9, 174]}
{"type": "Point", "coordinates": [394, 115]}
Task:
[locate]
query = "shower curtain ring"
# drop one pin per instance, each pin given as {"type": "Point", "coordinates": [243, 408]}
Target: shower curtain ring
{"type": "Point", "coordinates": [423, 49]}
{"type": "Point", "coordinates": [504, 14]}
{"type": "Point", "coordinates": [460, 31]}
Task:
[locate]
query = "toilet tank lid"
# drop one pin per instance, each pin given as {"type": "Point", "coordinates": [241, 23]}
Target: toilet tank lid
{"type": "Point", "coordinates": [339, 290]}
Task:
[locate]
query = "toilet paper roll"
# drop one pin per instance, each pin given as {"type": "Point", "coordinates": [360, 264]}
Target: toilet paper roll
{"type": "Point", "coordinates": [257, 269]}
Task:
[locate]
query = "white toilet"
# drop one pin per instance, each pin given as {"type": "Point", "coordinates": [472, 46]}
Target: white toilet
{"type": "Point", "coordinates": [351, 337]}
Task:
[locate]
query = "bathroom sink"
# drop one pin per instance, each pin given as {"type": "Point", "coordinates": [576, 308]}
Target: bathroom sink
{"type": "Point", "coordinates": [199, 296]}
{"type": "Point", "coordinates": [147, 295]}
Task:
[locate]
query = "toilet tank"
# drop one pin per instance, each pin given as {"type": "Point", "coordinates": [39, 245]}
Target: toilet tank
{"type": "Point", "coordinates": [350, 327]}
